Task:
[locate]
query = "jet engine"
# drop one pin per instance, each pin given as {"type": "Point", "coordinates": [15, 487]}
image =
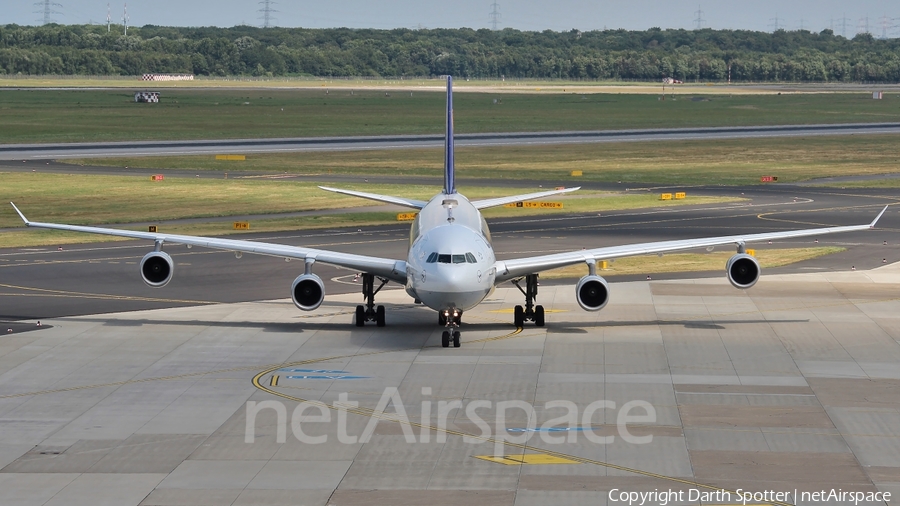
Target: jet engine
{"type": "Point", "coordinates": [592, 293]}
{"type": "Point", "coordinates": [308, 292]}
{"type": "Point", "coordinates": [742, 271]}
{"type": "Point", "coordinates": [157, 269]}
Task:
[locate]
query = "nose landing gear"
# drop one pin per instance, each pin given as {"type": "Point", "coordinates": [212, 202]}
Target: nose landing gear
{"type": "Point", "coordinates": [370, 313]}
{"type": "Point", "coordinates": [447, 336]}
{"type": "Point", "coordinates": [530, 312]}
{"type": "Point", "coordinates": [450, 318]}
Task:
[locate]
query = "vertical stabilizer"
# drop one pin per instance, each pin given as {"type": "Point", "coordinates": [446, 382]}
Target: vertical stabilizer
{"type": "Point", "coordinates": [449, 179]}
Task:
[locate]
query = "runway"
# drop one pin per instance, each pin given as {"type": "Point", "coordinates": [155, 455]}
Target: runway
{"type": "Point", "coordinates": [792, 385]}
{"type": "Point", "coordinates": [245, 146]}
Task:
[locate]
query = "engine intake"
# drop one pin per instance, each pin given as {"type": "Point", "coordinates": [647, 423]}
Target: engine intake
{"type": "Point", "coordinates": [308, 292]}
{"type": "Point", "coordinates": [592, 293]}
{"type": "Point", "coordinates": [157, 269]}
{"type": "Point", "coordinates": [742, 270]}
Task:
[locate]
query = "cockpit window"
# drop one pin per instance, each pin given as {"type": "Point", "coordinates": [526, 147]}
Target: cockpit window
{"type": "Point", "coordinates": [451, 259]}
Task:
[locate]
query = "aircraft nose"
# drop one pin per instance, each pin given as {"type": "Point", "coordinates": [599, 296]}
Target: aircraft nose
{"type": "Point", "coordinates": [451, 277]}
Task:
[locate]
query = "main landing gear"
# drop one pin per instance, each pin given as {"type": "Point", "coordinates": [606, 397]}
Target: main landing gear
{"type": "Point", "coordinates": [370, 313]}
{"type": "Point", "coordinates": [530, 312]}
{"type": "Point", "coordinates": [450, 318]}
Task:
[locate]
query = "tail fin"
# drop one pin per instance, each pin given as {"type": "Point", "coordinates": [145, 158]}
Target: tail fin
{"type": "Point", "coordinates": [449, 179]}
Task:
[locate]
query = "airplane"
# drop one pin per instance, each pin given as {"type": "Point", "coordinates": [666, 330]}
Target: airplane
{"type": "Point", "coordinates": [450, 266]}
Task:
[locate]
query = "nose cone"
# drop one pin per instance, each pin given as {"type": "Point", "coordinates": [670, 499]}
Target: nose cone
{"type": "Point", "coordinates": [452, 285]}
{"type": "Point", "coordinates": [451, 277]}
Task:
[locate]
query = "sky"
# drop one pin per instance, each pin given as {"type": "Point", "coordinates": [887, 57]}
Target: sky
{"type": "Point", "coordinates": [559, 15]}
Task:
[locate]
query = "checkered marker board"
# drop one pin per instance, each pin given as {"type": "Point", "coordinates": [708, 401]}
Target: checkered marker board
{"type": "Point", "coordinates": [167, 77]}
{"type": "Point", "coordinates": [146, 96]}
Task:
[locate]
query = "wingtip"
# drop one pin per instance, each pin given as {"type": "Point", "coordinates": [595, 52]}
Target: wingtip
{"type": "Point", "coordinates": [19, 213]}
{"type": "Point", "coordinates": [872, 225]}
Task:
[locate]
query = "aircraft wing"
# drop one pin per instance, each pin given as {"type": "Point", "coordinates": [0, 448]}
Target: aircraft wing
{"type": "Point", "coordinates": [501, 201]}
{"type": "Point", "coordinates": [511, 269]}
{"type": "Point", "coordinates": [400, 201]}
{"type": "Point", "coordinates": [395, 270]}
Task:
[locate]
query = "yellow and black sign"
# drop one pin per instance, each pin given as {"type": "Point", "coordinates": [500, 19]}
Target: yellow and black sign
{"type": "Point", "coordinates": [406, 216]}
{"type": "Point", "coordinates": [751, 252]}
{"type": "Point", "coordinates": [539, 205]}
{"type": "Point", "coordinates": [241, 225]}
{"type": "Point", "coordinates": [680, 195]}
{"type": "Point", "coordinates": [665, 196]}
{"type": "Point", "coordinates": [577, 173]}
{"type": "Point", "coordinates": [152, 229]}
{"type": "Point", "coordinates": [231, 157]}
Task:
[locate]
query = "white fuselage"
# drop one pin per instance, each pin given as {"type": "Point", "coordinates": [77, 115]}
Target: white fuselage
{"type": "Point", "coordinates": [451, 260]}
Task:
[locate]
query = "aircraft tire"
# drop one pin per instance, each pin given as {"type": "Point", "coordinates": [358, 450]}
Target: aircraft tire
{"type": "Point", "coordinates": [379, 316]}
{"type": "Point", "coordinates": [539, 316]}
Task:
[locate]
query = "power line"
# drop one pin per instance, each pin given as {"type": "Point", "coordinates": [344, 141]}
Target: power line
{"type": "Point", "coordinates": [886, 25]}
{"type": "Point", "coordinates": [775, 25]}
{"type": "Point", "coordinates": [495, 15]}
{"type": "Point", "coordinates": [843, 23]}
{"type": "Point", "coordinates": [863, 26]}
{"type": "Point", "coordinates": [47, 9]}
{"type": "Point", "coordinates": [699, 19]}
{"type": "Point", "coordinates": [267, 11]}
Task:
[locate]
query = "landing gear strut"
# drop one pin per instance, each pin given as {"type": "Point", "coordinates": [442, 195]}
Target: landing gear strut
{"type": "Point", "coordinates": [370, 313]}
{"type": "Point", "coordinates": [530, 312]}
{"type": "Point", "coordinates": [450, 318]}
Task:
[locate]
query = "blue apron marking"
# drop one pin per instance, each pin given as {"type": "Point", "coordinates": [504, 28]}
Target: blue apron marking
{"type": "Point", "coordinates": [325, 377]}
{"type": "Point", "coordinates": [547, 429]}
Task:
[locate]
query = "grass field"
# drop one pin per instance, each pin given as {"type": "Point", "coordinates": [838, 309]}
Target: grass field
{"type": "Point", "coordinates": [869, 183]}
{"type": "Point", "coordinates": [737, 161]}
{"type": "Point", "coordinates": [36, 115]}
{"type": "Point", "coordinates": [123, 199]}
{"type": "Point", "coordinates": [525, 85]}
{"type": "Point", "coordinates": [693, 262]}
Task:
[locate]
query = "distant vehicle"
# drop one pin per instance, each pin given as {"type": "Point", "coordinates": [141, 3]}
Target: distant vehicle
{"type": "Point", "coordinates": [669, 80]}
{"type": "Point", "coordinates": [450, 266]}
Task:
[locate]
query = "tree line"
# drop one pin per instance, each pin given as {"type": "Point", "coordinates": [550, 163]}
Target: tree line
{"type": "Point", "coordinates": [689, 55]}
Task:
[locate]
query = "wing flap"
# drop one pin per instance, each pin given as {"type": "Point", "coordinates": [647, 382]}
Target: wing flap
{"type": "Point", "coordinates": [400, 201]}
{"type": "Point", "coordinates": [502, 201]}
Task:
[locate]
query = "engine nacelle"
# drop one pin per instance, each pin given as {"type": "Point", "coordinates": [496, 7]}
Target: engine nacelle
{"type": "Point", "coordinates": [157, 268]}
{"type": "Point", "coordinates": [308, 292]}
{"type": "Point", "coordinates": [742, 270]}
{"type": "Point", "coordinates": [592, 293]}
